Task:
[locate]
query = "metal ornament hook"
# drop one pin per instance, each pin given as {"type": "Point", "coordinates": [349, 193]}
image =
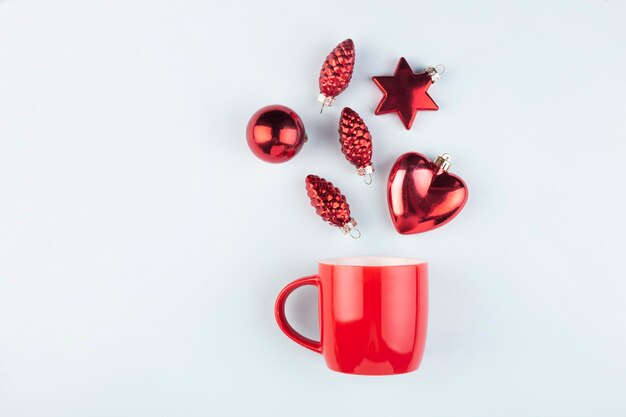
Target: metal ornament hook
{"type": "Point", "coordinates": [326, 101]}
{"type": "Point", "coordinates": [434, 72]}
{"type": "Point", "coordinates": [366, 173]}
{"type": "Point", "coordinates": [350, 228]}
{"type": "Point", "coordinates": [443, 162]}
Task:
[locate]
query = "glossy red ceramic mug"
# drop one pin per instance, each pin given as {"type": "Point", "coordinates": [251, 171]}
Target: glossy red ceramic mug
{"type": "Point", "coordinates": [373, 313]}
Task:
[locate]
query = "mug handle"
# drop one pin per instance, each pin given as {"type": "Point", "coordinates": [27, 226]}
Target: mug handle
{"type": "Point", "coordinates": [281, 319]}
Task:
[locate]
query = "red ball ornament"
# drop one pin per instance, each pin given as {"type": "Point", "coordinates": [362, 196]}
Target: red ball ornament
{"type": "Point", "coordinates": [275, 134]}
{"type": "Point", "coordinates": [407, 92]}
{"type": "Point", "coordinates": [356, 143]}
{"type": "Point", "coordinates": [336, 72]}
{"type": "Point", "coordinates": [422, 195]}
{"type": "Point", "coordinates": [331, 205]}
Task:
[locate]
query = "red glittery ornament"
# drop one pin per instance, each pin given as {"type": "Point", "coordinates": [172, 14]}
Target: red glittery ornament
{"type": "Point", "coordinates": [275, 134]}
{"type": "Point", "coordinates": [330, 204]}
{"type": "Point", "coordinates": [356, 143]}
{"type": "Point", "coordinates": [406, 92]}
{"type": "Point", "coordinates": [336, 72]}
{"type": "Point", "coordinates": [422, 195]}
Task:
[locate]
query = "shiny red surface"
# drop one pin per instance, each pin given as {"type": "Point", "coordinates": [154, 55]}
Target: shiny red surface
{"type": "Point", "coordinates": [337, 69]}
{"type": "Point", "coordinates": [422, 197]}
{"type": "Point", "coordinates": [405, 93]}
{"type": "Point", "coordinates": [328, 201]}
{"type": "Point", "coordinates": [355, 138]}
{"type": "Point", "coordinates": [373, 319]}
{"type": "Point", "coordinates": [275, 133]}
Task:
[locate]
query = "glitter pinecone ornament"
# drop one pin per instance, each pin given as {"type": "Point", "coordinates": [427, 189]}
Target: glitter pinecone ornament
{"type": "Point", "coordinates": [336, 72]}
{"type": "Point", "coordinates": [331, 205]}
{"type": "Point", "coordinates": [356, 143]}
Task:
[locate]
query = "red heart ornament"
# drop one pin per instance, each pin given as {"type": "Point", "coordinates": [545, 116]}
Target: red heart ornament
{"type": "Point", "coordinates": [422, 195]}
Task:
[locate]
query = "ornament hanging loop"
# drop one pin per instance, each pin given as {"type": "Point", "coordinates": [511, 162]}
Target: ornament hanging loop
{"type": "Point", "coordinates": [366, 173]}
{"type": "Point", "coordinates": [435, 72]}
{"type": "Point", "coordinates": [443, 162]}
{"type": "Point", "coordinates": [325, 100]}
{"type": "Point", "coordinates": [349, 228]}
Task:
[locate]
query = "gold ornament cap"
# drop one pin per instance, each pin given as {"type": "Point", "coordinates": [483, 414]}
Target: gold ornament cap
{"type": "Point", "coordinates": [435, 72]}
{"type": "Point", "coordinates": [443, 162]}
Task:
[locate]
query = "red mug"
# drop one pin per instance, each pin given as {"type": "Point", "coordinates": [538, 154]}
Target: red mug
{"type": "Point", "coordinates": [373, 313]}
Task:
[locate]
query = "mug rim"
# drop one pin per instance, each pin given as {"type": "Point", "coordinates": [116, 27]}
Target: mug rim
{"type": "Point", "coordinates": [371, 261]}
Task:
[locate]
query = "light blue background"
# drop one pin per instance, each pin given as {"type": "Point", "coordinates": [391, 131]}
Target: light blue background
{"type": "Point", "coordinates": [142, 245]}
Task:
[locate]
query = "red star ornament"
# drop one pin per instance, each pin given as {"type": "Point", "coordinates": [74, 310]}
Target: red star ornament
{"type": "Point", "coordinates": [406, 92]}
